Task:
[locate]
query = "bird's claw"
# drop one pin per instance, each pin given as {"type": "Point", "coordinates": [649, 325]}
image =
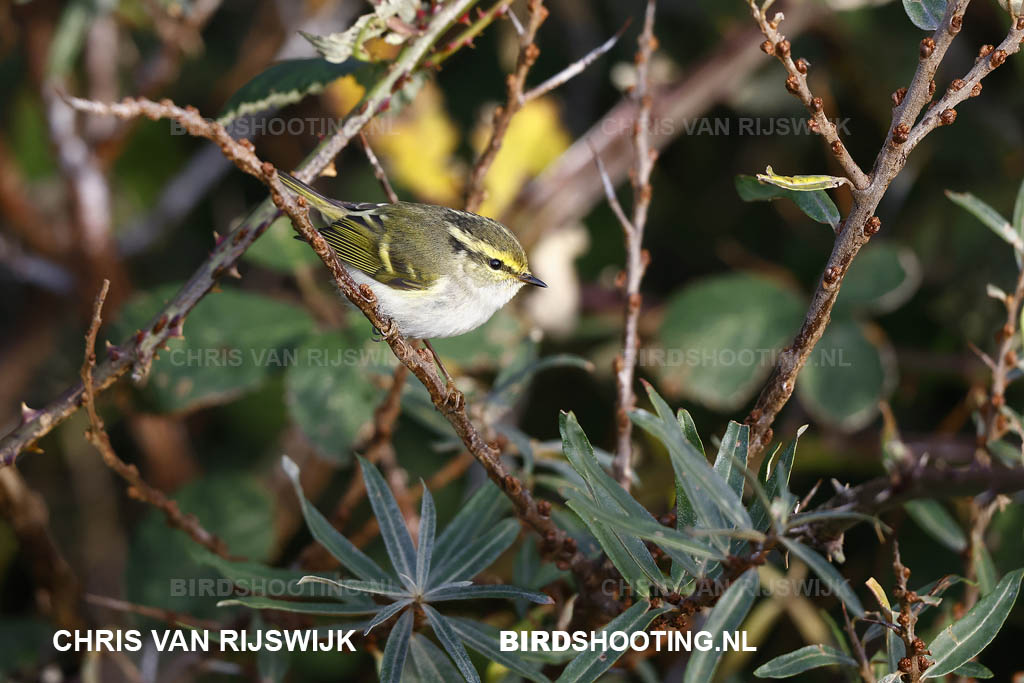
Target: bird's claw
{"type": "Point", "coordinates": [454, 399]}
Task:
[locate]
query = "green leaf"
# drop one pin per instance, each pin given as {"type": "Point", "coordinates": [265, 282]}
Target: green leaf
{"type": "Point", "coordinates": [428, 664]}
{"type": "Point", "coordinates": [964, 639]}
{"type": "Point", "coordinates": [484, 639]}
{"type": "Point", "coordinates": [386, 612]}
{"type": "Point", "coordinates": [990, 217]}
{"type": "Point", "coordinates": [460, 591]}
{"type": "Point", "coordinates": [698, 478]}
{"type": "Point", "coordinates": [689, 428]}
{"type": "Point", "coordinates": [882, 278]}
{"type": "Point", "coordinates": [451, 643]}
{"type": "Point", "coordinates": [330, 390]}
{"type": "Point", "coordinates": [284, 83]}
{"type": "Point", "coordinates": [590, 664]}
{"type": "Point", "coordinates": [973, 670]}
{"type": "Point", "coordinates": [475, 517]}
{"type": "Point", "coordinates": [719, 337]}
{"type": "Point", "coordinates": [425, 537]}
{"type": "Point", "coordinates": [392, 525]}
{"type": "Point", "coordinates": [776, 484]}
{"type": "Point", "coordinates": [732, 455]}
{"type": "Point", "coordinates": [340, 548]}
{"type": "Point", "coordinates": [473, 557]}
{"type": "Point", "coordinates": [931, 516]}
{"type": "Point", "coordinates": [816, 204]}
{"type": "Point", "coordinates": [233, 341]}
{"type": "Point", "coordinates": [804, 659]}
{"type": "Point", "coordinates": [726, 617]}
{"type": "Point", "coordinates": [253, 577]}
{"type": "Point", "coordinates": [334, 609]}
{"type": "Point", "coordinates": [926, 14]}
{"type": "Point", "coordinates": [827, 573]}
{"type": "Point", "coordinates": [628, 565]}
{"type": "Point", "coordinates": [66, 43]}
{"type": "Point", "coordinates": [984, 567]}
{"type": "Point", "coordinates": [393, 662]}
{"type": "Point", "coordinates": [850, 371]}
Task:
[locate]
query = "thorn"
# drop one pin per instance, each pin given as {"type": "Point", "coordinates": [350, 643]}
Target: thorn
{"type": "Point", "coordinates": [27, 414]}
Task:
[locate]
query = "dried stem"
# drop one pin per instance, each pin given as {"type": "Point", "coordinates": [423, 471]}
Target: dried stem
{"type": "Point", "coordinates": [915, 662]}
{"type": "Point", "coordinates": [636, 257]}
{"type": "Point", "coordinates": [996, 422]}
{"type": "Point", "coordinates": [528, 53]}
{"type": "Point", "coordinates": [861, 223]}
{"type": "Point", "coordinates": [97, 436]}
{"type": "Point", "coordinates": [170, 617]}
{"type": "Point", "coordinates": [573, 69]}
{"type": "Point", "coordinates": [858, 648]}
{"type": "Point", "coordinates": [378, 170]}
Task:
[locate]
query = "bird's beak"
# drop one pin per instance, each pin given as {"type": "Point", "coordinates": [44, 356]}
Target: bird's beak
{"type": "Point", "coordinates": [531, 280]}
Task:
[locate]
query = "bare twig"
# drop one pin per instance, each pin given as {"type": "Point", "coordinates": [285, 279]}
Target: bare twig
{"type": "Point", "coordinates": [573, 69]}
{"type": "Point", "coordinates": [528, 53]}
{"type": "Point", "coordinates": [97, 436]}
{"type": "Point", "coordinates": [378, 170]}
{"type": "Point", "coordinates": [996, 422]}
{"type": "Point", "coordinates": [858, 647]}
{"type": "Point", "coordinates": [636, 257]}
{"type": "Point", "coordinates": [914, 662]}
{"type": "Point", "coordinates": [165, 615]}
{"type": "Point", "coordinates": [861, 223]}
{"type": "Point", "coordinates": [778, 45]}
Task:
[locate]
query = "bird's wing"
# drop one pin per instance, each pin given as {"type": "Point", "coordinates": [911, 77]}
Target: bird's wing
{"type": "Point", "coordinates": [360, 239]}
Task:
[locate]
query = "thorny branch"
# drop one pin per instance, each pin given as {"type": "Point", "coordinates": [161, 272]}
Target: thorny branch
{"type": "Point", "coordinates": [97, 436]}
{"type": "Point", "coordinates": [861, 223]}
{"type": "Point", "coordinates": [528, 53]}
{"type": "Point", "coordinates": [637, 257]}
{"type": "Point", "coordinates": [914, 663]}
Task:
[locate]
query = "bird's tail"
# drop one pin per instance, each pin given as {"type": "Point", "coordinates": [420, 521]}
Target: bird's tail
{"type": "Point", "coordinates": [332, 210]}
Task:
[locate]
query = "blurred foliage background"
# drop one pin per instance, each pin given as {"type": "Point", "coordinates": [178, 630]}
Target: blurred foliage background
{"type": "Point", "coordinates": [246, 384]}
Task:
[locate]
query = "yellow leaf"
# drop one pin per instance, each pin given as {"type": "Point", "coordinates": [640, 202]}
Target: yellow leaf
{"type": "Point", "coordinates": [534, 139]}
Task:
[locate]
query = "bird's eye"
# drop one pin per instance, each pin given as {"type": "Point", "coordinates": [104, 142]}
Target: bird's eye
{"type": "Point", "coordinates": [494, 263]}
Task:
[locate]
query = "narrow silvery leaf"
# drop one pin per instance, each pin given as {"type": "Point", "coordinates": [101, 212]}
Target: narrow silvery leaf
{"type": "Point", "coordinates": [990, 217]}
{"type": "Point", "coordinates": [386, 613]}
{"type": "Point", "coordinates": [1018, 212]}
{"type": "Point", "coordinates": [984, 567]}
{"type": "Point", "coordinates": [392, 525]}
{"type": "Point", "coordinates": [452, 644]}
{"type": "Point", "coordinates": [397, 647]}
{"type": "Point", "coordinates": [425, 540]}
{"type": "Point", "coordinates": [931, 516]}
{"type": "Point", "coordinates": [476, 555]}
{"type": "Point", "coordinates": [430, 665]}
{"type": "Point", "coordinates": [804, 659]}
{"type": "Point", "coordinates": [732, 455]}
{"type": "Point", "coordinates": [973, 670]}
{"type": "Point", "coordinates": [726, 617]}
{"type": "Point", "coordinates": [479, 591]}
{"type": "Point", "coordinates": [689, 428]}
{"type": "Point", "coordinates": [590, 664]}
{"type": "Point", "coordinates": [484, 639]}
{"type": "Point", "coordinates": [350, 557]}
{"type": "Point", "coordinates": [776, 484]}
{"type": "Point", "coordinates": [640, 577]}
{"type": "Point", "coordinates": [964, 639]}
{"type": "Point", "coordinates": [827, 573]}
{"type": "Point", "coordinates": [481, 512]}
{"type": "Point", "coordinates": [378, 587]}
{"type": "Point", "coordinates": [926, 14]}
{"type": "Point", "coordinates": [337, 609]}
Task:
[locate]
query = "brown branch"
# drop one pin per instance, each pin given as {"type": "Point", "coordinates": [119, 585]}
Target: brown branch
{"type": "Point", "coordinates": [528, 53]}
{"type": "Point", "coordinates": [637, 257]}
{"type": "Point", "coordinates": [778, 45]}
{"type": "Point", "coordinates": [138, 353]}
{"type": "Point", "coordinates": [914, 662]}
{"type": "Point", "coordinates": [996, 422]}
{"type": "Point", "coordinates": [378, 170]}
{"type": "Point", "coordinates": [573, 69]}
{"type": "Point", "coordinates": [861, 223]}
{"type": "Point", "coordinates": [97, 436]}
{"type": "Point", "coordinates": [864, 663]}
{"type": "Point", "coordinates": [165, 615]}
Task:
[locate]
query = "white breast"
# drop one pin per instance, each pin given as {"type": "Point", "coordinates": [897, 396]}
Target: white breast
{"type": "Point", "coordinates": [449, 309]}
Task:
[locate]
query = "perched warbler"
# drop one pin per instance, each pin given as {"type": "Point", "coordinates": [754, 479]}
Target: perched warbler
{"type": "Point", "coordinates": [435, 271]}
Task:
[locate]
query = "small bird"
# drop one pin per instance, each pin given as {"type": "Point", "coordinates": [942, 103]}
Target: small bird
{"type": "Point", "coordinates": [437, 272]}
